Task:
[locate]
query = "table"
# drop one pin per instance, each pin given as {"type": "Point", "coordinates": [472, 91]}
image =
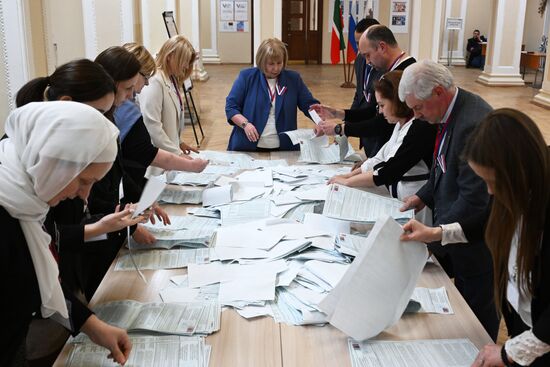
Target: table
{"type": "Point", "coordinates": [532, 60]}
{"type": "Point", "coordinates": [262, 342]}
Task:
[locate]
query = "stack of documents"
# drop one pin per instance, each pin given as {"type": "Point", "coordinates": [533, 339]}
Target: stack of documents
{"type": "Point", "coordinates": [318, 150]}
{"type": "Point", "coordinates": [147, 351]}
{"type": "Point", "coordinates": [165, 318]}
{"type": "Point", "coordinates": [350, 244]}
{"type": "Point", "coordinates": [369, 298]}
{"type": "Point", "coordinates": [355, 205]}
{"type": "Point", "coordinates": [163, 259]}
{"type": "Point", "coordinates": [413, 353]}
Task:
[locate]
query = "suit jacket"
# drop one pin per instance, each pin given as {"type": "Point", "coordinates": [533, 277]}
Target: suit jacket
{"type": "Point", "coordinates": [249, 96]}
{"type": "Point", "coordinates": [458, 192]}
{"type": "Point", "coordinates": [162, 112]}
{"type": "Point", "coordinates": [360, 66]}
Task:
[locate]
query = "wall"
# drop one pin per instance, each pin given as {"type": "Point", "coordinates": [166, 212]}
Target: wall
{"type": "Point", "coordinates": [235, 47]}
{"type": "Point", "coordinates": [38, 42]}
{"type": "Point", "coordinates": [534, 24]}
{"type": "Point", "coordinates": [108, 26]}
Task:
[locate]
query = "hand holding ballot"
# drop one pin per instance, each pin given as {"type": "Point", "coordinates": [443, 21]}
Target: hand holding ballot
{"type": "Point", "coordinates": [412, 202]}
{"type": "Point", "coordinates": [416, 231]}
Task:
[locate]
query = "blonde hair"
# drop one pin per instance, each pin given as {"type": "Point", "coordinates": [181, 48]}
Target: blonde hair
{"type": "Point", "coordinates": [182, 50]}
{"type": "Point", "coordinates": [148, 66]}
{"type": "Point", "coordinates": [271, 49]}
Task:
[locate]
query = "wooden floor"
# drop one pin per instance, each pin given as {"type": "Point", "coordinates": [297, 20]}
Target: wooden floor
{"type": "Point", "coordinates": [324, 82]}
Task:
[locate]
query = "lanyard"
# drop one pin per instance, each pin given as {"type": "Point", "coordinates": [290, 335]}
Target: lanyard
{"type": "Point", "coordinates": [439, 137]}
{"type": "Point", "coordinates": [273, 93]}
{"type": "Point", "coordinates": [394, 64]}
{"type": "Point", "coordinates": [177, 92]}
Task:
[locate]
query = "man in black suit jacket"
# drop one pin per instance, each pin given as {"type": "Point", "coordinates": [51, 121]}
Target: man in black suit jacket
{"type": "Point", "coordinates": [453, 192]}
{"type": "Point", "coordinates": [362, 71]}
{"type": "Point", "coordinates": [380, 48]}
{"type": "Point", "coordinates": [474, 46]}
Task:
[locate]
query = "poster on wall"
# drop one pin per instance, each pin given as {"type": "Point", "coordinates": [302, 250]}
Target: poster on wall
{"type": "Point", "coordinates": [241, 11]}
{"type": "Point", "coordinates": [226, 10]}
{"type": "Point", "coordinates": [233, 26]}
{"type": "Point", "coordinates": [399, 16]}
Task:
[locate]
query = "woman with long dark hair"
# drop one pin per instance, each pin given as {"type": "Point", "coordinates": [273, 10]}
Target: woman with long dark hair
{"type": "Point", "coordinates": [508, 152]}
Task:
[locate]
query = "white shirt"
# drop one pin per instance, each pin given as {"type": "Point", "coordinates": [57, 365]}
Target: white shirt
{"type": "Point", "coordinates": [270, 138]}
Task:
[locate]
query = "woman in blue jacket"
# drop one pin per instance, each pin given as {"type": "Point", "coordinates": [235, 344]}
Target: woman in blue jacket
{"type": "Point", "coordinates": [263, 100]}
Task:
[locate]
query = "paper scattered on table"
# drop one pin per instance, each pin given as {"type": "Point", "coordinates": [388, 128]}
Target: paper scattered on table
{"type": "Point", "coordinates": [218, 195]}
{"type": "Point", "coordinates": [368, 285]}
{"type": "Point", "coordinates": [182, 195]}
{"type": "Point", "coordinates": [356, 205]}
{"type": "Point", "coordinates": [413, 353]}
{"type": "Point", "coordinates": [433, 300]}
{"type": "Point", "coordinates": [350, 244]}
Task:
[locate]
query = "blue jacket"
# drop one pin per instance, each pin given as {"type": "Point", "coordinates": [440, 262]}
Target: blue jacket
{"type": "Point", "coordinates": [249, 96]}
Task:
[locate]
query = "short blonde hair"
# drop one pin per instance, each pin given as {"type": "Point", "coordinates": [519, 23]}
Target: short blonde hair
{"type": "Point", "coordinates": [182, 50]}
{"type": "Point", "coordinates": [271, 49]}
{"type": "Point", "coordinates": [148, 66]}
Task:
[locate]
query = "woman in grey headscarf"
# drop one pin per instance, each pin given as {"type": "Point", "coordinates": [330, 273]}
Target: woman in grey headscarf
{"type": "Point", "coordinates": [55, 150]}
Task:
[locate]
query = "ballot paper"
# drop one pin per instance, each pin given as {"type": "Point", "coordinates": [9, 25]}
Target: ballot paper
{"type": "Point", "coordinates": [257, 288]}
{"type": "Point", "coordinates": [163, 318]}
{"type": "Point", "coordinates": [247, 237]}
{"type": "Point", "coordinates": [163, 259]}
{"type": "Point", "coordinates": [318, 150]}
{"type": "Point", "coordinates": [289, 310]}
{"type": "Point", "coordinates": [413, 353]}
{"type": "Point", "coordinates": [299, 135]}
{"type": "Point", "coordinates": [218, 195]}
{"type": "Point", "coordinates": [204, 212]}
{"type": "Point", "coordinates": [259, 175]}
{"type": "Point", "coordinates": [351, 204]}
{"type": "Point", "coordinates": [182, 195]}
{"type": "Point", "coordinates": [350, 244]}
{"type": "Point", "coordinates": [369, 298]}
{"type": "Point", "coordinates": [152, 190]}
{"type": "Point", "coordinates": [193, 178]}
{"type": "Point", "coordinates": [315, 117]}
{"type": "Point", "coordinates": [179, 223]}
{"type": "Point", "coordinates": [239, 213]}
{"type": "Point", "coordinates": [300, 211]}
{"type": "Point", "coordinates": [158, 350]}
{"type": "Point", "coordinates": [433, 300]}
{"type": "Point", "coordinates": [330, 225]}
{"type": "Point", "coordinates": [245, 191]}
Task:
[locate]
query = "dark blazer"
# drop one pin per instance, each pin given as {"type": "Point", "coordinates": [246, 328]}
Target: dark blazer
{"type": "Point", "coordinates": [21, 292]}
{"type": "Point", "coordinates": [249, 96]}
{"type": "Point", "coordinates": [459, 193]}
{"type": "Point", "coordinates": [360, 66]}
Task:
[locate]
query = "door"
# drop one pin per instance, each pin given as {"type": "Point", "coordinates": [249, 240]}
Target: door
{"type": "Point", "coordinates": [302, 30]}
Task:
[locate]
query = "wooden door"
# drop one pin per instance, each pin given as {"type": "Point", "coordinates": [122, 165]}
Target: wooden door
{"type": "Point", "coordinates": [302, 31]}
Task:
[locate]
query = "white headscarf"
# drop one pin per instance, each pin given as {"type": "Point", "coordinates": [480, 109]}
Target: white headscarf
{"type": "Point", "coordinates": [49, 144]}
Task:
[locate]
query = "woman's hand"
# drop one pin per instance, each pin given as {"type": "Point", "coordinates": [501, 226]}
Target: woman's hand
{"type": "Point", "coordinates": [251, 132]}
{"type": "Point", "coordinates": [143, 236]}
{"type": "Point", "coordinates": [198, 165]}
{"type": "Point", "coordinates": [187, 149]}
{"type": "Point", "coordinates": [114, 222]}
{"type": "Point", "coordinates": [489, 356]}
{"type": "Point", "coordinates": [416, 231]}
{"type": "Point", "coordinates": [327, 112]}
{"type": "Point", "coordinates": [110, 337]}
{"type": "Point", "coordinates": [338, 179]}
{"type": "Point", "coordinates": [160, 213]}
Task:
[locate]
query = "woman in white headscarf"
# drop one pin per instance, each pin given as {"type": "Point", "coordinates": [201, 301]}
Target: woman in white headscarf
{"type": "Point", "coordinates": [55, 150]}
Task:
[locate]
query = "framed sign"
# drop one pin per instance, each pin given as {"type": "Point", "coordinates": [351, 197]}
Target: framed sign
{"type": "Point", "coordinates": [170, 23]}
{"type": "Point", "coordinates": [454, 23]}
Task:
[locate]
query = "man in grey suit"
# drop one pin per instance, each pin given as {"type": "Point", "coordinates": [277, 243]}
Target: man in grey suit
{"type": "Point", "coordinates": [453, 192]}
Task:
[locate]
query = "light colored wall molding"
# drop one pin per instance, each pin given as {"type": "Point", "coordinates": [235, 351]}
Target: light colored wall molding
{"type": "Point", "coordinates": [278, 19]}
{"type": "Point", "coordinates": [89, 17]}
{"type": "Point", "coordinates": [127, 21]}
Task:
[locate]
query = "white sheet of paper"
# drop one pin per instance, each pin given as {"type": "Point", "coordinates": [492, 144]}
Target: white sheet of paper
{"type": "Point", "coordinates": [300, 135]}
{"type": "Point", "coordinates": [260, 175]}
{"type": "Point", "coordinates": [176, 294]}
{"type": "Point", "coordinates": [433, 300]}
{"type": "Point", "coordinates": [331, 273]}
{"type": "Point", "coordinates": [152, 190]}
{"type": "Point", "coordinates": [317, 194]}
{"type": "Point", "coordinates": [259, 288]}
{"type": "Point", "coordinates": [315, 117]}
{"type": "Point", "coordinates": [356, 205]}
{"type": "Point", "coordinates": [368, 285]}
{"type": "Point", "coordinates": [329, 225]}
{"type": "Point", "coordinates": [218, 195]}
{"type": "Point", "coordinates": [237, 236]}
{"type": "Point", "coordinates": [245, 191]}
{"type": "Point", "coordinates": [250, 312]}
{"type": "Point", "coordinates": [425, 353]}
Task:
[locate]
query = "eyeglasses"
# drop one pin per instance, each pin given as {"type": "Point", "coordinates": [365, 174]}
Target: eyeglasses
{"type": "Point", "coordinates": [146, 77]}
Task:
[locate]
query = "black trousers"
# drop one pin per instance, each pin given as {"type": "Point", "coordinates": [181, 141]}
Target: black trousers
{"type": "Point", "coordinates": [478, 292]}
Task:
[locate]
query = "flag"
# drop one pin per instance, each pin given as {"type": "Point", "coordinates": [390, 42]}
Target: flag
{"type": "Point", "coordinates": [337, 41]}
{"type": "Point", "coordinates": [352, 45]}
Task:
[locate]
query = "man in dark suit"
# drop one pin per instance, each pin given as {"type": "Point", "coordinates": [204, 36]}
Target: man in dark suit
{"type": "Point", "coordinates": [453, 192]}
{"type": "Point", "coordinates": [362, 72]}
{"type": "Point", "coordinates": [474, 49]}
{"type": "Point", "coordinates": [380, 48]}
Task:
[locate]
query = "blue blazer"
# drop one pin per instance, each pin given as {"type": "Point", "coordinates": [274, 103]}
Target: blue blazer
{"type": "Point", "coordinates": [249, 96]}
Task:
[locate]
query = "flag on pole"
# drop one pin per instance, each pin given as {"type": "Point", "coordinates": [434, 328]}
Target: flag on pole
{"type": "Point", "coordinates": [337, 42]}
{"type": "Point", "coordinates": [352, 45]}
